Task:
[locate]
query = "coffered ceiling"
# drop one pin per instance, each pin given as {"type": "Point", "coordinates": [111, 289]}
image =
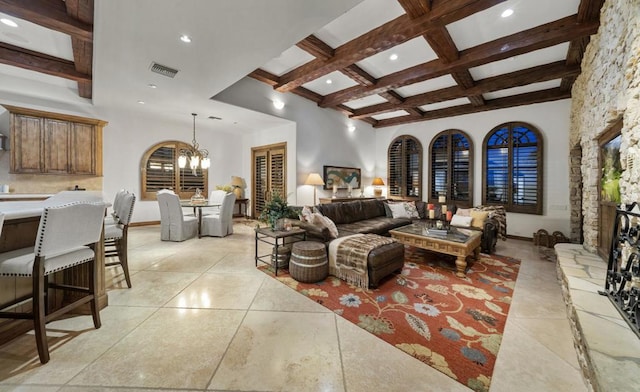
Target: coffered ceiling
{"type": "Point", "coordinates": [450, 57]}
{"type": "Point", "coordinates": [390, 62]}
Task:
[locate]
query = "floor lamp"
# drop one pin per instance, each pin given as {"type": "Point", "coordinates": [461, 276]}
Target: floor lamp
{"type": "Point", "coordinates": [315, 180]}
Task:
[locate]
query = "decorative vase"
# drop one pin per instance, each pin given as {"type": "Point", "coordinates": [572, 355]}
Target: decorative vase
{"type": "Point", "coordinates": [197, 198]}
{"type": "Point", "coordinates": [279, 224]}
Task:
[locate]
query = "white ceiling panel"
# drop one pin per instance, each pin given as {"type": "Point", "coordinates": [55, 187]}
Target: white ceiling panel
{"type": "Point", "coordinates": [288, 60]}
{"type": "Point", "coordinates": [37, 38]}
{"type": "Point", "coordinates": [397, 113]}
{"type": "Point", "coordinates": [410, 53]}
{"type": "Point", "coordinates": [488, 25]}
{"type": "Point", "coordinates": [363, 18]}
{"type": "Point", "coordinates": [427, 85]}
{"type": "Point", "coordinates": [445, 104]}
{"type": "Point", "coordinates": [338, 82]}
{"type": "Point", "coordinates": [366, 101]}
{"type": "Point", "coordinates": [527, 60]}
{"type": "Point", "coordinates": [523, 89]}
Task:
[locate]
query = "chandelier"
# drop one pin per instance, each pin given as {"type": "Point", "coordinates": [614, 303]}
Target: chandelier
{"type": "Point", "coordinates": [194, 155]}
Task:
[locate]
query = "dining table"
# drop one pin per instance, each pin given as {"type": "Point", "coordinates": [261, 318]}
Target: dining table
{"type": "Point", "coordinates": [197, 210]}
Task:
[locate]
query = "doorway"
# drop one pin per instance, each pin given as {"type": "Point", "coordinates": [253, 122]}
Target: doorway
{"type": "Point", "coordinates": [269, 175]}
{"type": "Point", "coordinates": [608, 186]}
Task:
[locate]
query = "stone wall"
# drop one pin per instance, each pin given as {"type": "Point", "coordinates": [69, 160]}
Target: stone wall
{"type": "Point", "coordinates": [608, 89]}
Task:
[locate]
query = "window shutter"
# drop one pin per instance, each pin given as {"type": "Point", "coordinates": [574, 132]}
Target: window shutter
{"type": "Point", "coordinates": [160, 174]}
{"type": "Point", "coordinates": [439, 166]}
{"type": "Point", "coordinates": [395, 169]}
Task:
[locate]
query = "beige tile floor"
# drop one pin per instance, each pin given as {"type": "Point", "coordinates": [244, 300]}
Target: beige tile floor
{"type": "Point", "coordinates": [201, 317]}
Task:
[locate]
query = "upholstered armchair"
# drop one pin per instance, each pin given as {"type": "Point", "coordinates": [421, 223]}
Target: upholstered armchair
{"type": "Point", "coordinates": [220, 224]}
{"type": "Point", "coordinates": [174, 225]}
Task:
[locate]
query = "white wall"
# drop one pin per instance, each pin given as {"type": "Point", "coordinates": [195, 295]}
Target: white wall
{"type": "Point", "coordinates": [129, 134]}
{"type": "Point", "coordinates": [552, 119]}
{"type": "Point", "coordinates": [321, 136]}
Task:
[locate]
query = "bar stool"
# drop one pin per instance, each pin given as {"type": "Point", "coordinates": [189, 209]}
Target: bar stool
{"type": "Point", "coordinates": [67, 236]}
{"type": "Point", "coordinates": [116, 234]}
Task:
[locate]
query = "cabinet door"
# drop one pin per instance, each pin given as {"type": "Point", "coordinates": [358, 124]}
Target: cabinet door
{"type": "Point", "coordinates": [56, 146]}
{"type": "Point", "coordinates": [83, 149]}
{"type": "Point", "coordinates": [26, 143]}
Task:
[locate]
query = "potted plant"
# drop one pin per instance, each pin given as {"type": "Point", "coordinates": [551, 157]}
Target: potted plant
{"type": "Point", "coordinates": [275, 211]}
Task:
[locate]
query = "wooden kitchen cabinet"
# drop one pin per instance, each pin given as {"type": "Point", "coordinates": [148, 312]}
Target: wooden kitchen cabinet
{"type": "Point", "coordinates": [52, 143]}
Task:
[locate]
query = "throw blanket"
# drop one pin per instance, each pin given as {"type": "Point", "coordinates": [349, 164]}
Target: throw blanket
{"type": "Point", "coordinates": [500, 215]}
{"type": "Point", "coordinates": [348, 257]}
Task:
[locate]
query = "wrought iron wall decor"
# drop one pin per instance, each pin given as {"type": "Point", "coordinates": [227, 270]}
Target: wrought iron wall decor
{"type": "Point", "coordinates": [622, 283]}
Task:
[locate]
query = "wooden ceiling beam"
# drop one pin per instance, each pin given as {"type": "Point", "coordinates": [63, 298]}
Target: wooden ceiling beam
{"type": "Point", "coordinates": [264, 77]}
{"type": "Point", "coordinates": [549, 34]}
{"type": "Point", "coordinates": [316, 47]}
{"type": "Point", "coordinates": [523, 77]}
{"type": "Point", "coordinates": [34, 61]}
{"type": "Point", "coordinates": [415, 8]}
{"type": "Point", "coordinates": [51, 14]}
{"type": "Point", "coordinates": [82, 10]}
{"type": "Point", "coordinates": [359, 75]}
{"type": "Point", "coordinates": [549, 95]}
{"type": "Point", "coordinates": [384, 37]}
{"type": "Point", "coordinates": [392, 97]}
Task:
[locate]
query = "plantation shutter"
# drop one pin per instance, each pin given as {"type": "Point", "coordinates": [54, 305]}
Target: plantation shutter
{"type": "Point", "coordinates": [404, 168]}
{"type": "Point", "coordinates": [439, 166]}
{"type": "Point", "coordinates": [513, 168]}
{"type": "Point", "coordinates": [450, 168]}
{"type": "Point", "coordinates": [269, 174]}
{"type": "Point", "coordinates": [460, 181]}
{"type": "Point", "coordinates": [160, 171]}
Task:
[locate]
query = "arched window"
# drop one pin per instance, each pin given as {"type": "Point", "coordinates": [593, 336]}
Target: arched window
{"type": "Point", "coordinates": [405, 168]}
{"type": "Point", "coordinates": [451, 168]}
{"type": "Point", "coordinates": [160, 170]}
{"type": "Point", "coordinates": [512, 173]}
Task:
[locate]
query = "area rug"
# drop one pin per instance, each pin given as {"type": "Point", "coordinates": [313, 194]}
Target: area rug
{"type": "Point", "coordinates": [452, 324]}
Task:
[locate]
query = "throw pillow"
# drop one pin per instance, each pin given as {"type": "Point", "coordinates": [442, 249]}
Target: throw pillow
{"type": "Point", "coordinates": [478, 218]}
{"type": "Point", "coordinates": [322, 221]}
{"type": "Point", "coordinates": [463, 211]}
{"type": "Point", "coordinates": [461, 221]}
{"type": "Point", "coordinates": [398, 210]}
{"type": "Point", "coordinates": [412, 211]}
{"type": "Point", "coordinates": [387, 210]}
{"type": "Point", "coordinates": [305, 214]}
{"type": "Point", "coordinates": [421, 206]}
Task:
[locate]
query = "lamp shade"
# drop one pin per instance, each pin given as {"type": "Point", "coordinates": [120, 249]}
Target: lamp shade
{"type": "Point", "coordinates": [377, 181]}
{"type": "Point", "coordinates": [237, 182]}
{"type": "Point", "coordinates": [314, 179]}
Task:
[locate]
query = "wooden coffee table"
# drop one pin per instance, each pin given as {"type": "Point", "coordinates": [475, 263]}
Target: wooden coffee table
{"type": "Point", "coordinates": [455, 242]}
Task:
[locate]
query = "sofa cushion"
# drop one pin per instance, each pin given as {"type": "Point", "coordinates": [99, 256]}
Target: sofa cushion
{"type": "Point", "coordinates": [461, 221]}
{"type": "Point", "coordinates": [372, 208]}
{"type": "Point", "coordinates": [342, 212]}
{"type": "Point", "coordinates": [398, 210]}
{"type": "Point", "coordinates": [380, 225]}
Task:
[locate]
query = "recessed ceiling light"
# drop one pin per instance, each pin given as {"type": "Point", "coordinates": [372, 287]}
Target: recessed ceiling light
{"type": "Point", "coordinates": [9, 22]}
{"type": "Point", "coordinates": [329, 81]}
{"type": "Point", "coordinates": [278, 104]}
{"type": "Point", "coordinates": [185, 38]}
{"type": "Point", "coordinates": [151, 85]}
{"type": "Point", "coordinates": [351, 128]}
{"type": "Point", "coordinates": [506, 13]}
{"type": "Point", "coordinates": [141, 102]}
{"type": "Point", "coordinates": [393, 57]}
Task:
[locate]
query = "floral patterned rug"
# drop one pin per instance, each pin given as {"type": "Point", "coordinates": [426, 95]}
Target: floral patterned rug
{"type": "Point", "coordinates": [452, 324]}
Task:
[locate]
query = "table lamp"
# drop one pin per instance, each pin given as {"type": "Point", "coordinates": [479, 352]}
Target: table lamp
{"type": "Point", "coordinates": [377, 183]}
{"type": "Point", "coordinates": [315, 180]}
{"type": "Point", "coordinates": [238, 186]}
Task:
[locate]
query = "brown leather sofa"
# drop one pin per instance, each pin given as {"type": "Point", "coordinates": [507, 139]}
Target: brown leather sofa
{"type": "Point", "coordinates": [370, 216]}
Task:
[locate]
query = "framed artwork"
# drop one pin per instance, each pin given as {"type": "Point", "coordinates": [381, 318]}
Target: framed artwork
{"type": "Point", "coordinates": [341, 176]}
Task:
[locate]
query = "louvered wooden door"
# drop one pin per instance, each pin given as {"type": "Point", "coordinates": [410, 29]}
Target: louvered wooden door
{"type": "Point", "coordinates": [269, 175]}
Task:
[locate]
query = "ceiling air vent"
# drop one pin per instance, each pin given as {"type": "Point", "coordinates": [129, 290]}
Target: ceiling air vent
{"type": "Point", "coordinates": [163, 70]}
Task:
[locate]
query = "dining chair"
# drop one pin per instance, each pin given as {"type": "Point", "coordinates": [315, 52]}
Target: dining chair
{"type": "Point", "coordinates": [113, 217]}
{"type": "Point", "coordinates": [220, 224]}
{"type": "Point", "coordinates": [116, 234]}
{"type": "Point", "coordinates": [67, 236]}
{"type": "Point", "coordinates": [215, 197]}
{"type": "Point", "coordinates": [174, 225]}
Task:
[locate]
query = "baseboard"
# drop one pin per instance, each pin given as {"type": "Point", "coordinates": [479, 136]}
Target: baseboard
{"type": "Point", "coordinates": [516, 237]}
{"type": "Point", "coordinates": [149, 223]}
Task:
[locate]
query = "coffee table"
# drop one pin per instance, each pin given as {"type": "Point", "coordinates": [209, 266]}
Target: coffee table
{"type": "Point", "coordinates": [453, 242]}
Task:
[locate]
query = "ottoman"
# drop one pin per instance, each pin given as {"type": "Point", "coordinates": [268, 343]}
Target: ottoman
{"type": "Point", "coordinates": [308, 262]}
{"type": "Point", "coordinates": [381, 262]}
